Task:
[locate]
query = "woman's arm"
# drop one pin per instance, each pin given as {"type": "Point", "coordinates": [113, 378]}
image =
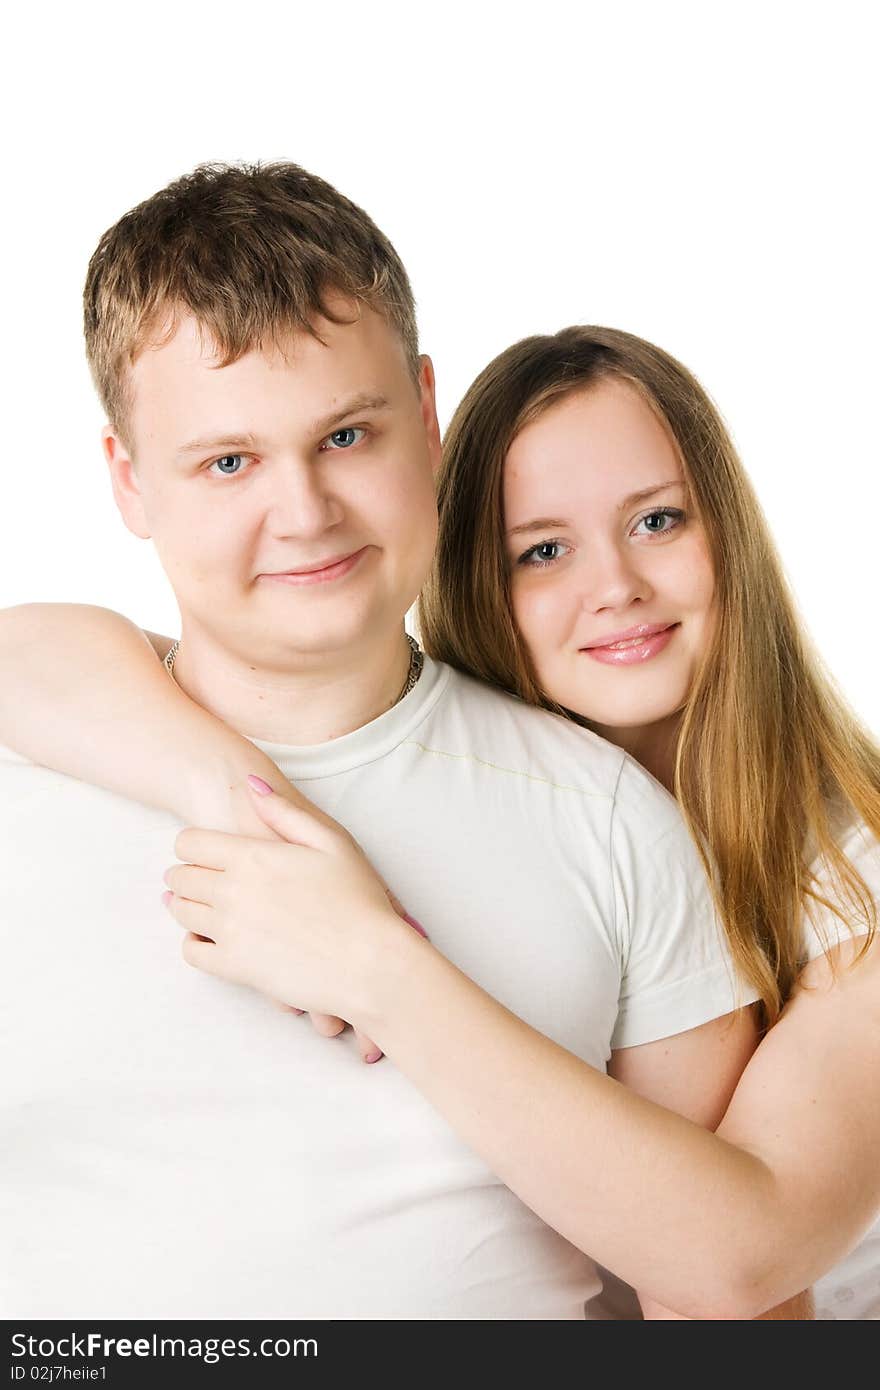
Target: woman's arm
{"type": "Point", "coordinates": [82, 690]}
{"type": "Point", "coordinates": [713, 1225]}
{"type": "Point", "coordinates": [719, 1225]}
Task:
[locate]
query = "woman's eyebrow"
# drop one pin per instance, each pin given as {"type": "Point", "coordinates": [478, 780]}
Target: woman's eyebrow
{"type": "Point", "coordinates": [541, 523]}
{"type": "Point", "coordinates": [648, 492]}
{"type": "Point", "coordinates": [549, 523]}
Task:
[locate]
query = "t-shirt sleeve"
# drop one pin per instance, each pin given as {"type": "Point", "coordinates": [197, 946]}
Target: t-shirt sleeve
{"type": "Point", "coordinates": [676, 969]}
{"type": "Point", "coordinates": [823, 929]}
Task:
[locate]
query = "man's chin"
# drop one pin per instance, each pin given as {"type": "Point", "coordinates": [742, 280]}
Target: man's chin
{"type": "Point", "coordinates": [286, 648]}
{"type": "Point", "coordinates": [281, 636]}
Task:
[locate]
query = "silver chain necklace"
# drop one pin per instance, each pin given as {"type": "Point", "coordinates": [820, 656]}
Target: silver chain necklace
{"type": "Point", "coordinates": [416, 663]}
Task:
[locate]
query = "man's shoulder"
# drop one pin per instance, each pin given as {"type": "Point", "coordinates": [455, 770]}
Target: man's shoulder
{"type": "Point", "coordinates": [33, 792]}
{"type": "Point", "coordinates": [19, 771]}
{"type": "Point", "coordinates": [10, 759]}
{"type": "Point", "coordinates": [480, 721]}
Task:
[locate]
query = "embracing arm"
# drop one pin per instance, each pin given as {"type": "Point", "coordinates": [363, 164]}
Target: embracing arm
{"type": "Point", "coordinates": [628, 1172]}
{"type": "Point", "coordinates": [715, 1225]}
{"type": "Point", "coordinates": [83, 690]}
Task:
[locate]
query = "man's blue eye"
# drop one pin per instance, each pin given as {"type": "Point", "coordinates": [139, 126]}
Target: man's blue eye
{"type": "Point", "coordinates": [343, 439]}
{"type": "Point", "coordinates": [229, 464]}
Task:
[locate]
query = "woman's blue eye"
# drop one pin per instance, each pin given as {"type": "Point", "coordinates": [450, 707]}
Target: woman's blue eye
{"type": "Point", "coordinates": [229, 464]}
{"type": "Point", "coordinates": [658, 522]}
{"type": "Point", "coordinates": [343, 439]}
{"type": "Point", "coordinates": [543, 554]}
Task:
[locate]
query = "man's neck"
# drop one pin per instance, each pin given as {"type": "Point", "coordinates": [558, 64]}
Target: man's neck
{"type": "Point", "coordinates": [319, 700]}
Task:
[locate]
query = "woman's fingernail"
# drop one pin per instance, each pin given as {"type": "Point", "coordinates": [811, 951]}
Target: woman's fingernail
{"type": "Point", "coordinates": [375, 1056]}
{"type": "Point", "coordinates": [416, 926]}
{"type": "Point", "coordinates": [166, 898]}
{"type": "Point", "coordinates": [300, 1012]}
{"type": "Point", "coordinates": [258, 785]}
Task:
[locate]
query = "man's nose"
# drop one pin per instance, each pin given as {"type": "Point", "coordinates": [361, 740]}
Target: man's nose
{"type": "Point", "coordinates": [612, 578]}
{"type": "Point", "coordinates": [300, 503]}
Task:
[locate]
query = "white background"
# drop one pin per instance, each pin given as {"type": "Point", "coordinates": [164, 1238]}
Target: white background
{"type": "Point", "coordinates": [704, 175]}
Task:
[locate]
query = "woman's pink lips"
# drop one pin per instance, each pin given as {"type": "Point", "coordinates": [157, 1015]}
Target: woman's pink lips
{"type": "Point", "coordinates": [631, 651]}
{"type": "Point", "coordinates": [336, 570]}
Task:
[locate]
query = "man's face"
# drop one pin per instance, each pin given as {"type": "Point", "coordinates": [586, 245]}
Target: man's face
{"type": "Point", "coordinates": [290, 495]}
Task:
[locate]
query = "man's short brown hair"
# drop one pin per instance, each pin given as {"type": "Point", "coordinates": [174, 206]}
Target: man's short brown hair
{"type": "Point", "coordinates": [252, 252]}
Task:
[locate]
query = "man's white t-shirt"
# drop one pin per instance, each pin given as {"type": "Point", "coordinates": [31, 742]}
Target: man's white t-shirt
{"type": "Point", "coordinates": [175, 1146]}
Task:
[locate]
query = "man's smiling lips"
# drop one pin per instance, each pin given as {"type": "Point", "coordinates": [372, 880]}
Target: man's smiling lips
{"type": "Point", "coordinates": [632, 646]}
{"type": "Point", "coordinates": [320, 573]}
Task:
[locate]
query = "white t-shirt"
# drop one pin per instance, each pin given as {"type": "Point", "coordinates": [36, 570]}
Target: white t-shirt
{"type": "Point", "coordinates": [850, 1291]}
{"type": "Point", "coordinates": [174, 1146]}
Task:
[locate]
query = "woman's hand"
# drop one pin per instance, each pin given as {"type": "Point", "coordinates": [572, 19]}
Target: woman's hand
{"type": "Point", "coordinates": [303, 918]}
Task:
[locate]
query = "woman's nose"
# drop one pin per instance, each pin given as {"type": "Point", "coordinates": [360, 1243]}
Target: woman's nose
{"type": "Point", "coordinates": [613, 579]}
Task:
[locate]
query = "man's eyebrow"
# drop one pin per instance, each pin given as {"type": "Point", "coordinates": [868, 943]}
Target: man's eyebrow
{"type": "Point", "coordinates": [220, 444]}
{"type": "Point", "coordinates": [231, 443]}
{"type": "Point", "coordinates": [364, 400]}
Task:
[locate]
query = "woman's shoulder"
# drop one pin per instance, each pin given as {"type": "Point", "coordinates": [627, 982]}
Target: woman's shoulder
{"type": "Point", "coordinates": [823, 929]}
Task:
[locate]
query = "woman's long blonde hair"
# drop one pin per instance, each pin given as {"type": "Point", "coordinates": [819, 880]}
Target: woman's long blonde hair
{"type": "Point", "coordinates": [769, 756]}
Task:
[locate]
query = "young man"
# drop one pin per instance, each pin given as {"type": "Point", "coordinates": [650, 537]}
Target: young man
{"type": "Point", "coordinates": [180, 1148]}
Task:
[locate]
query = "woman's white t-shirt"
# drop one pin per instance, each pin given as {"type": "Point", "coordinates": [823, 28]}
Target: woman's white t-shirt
{"type": "Point", "coordinates": [851, 1290]}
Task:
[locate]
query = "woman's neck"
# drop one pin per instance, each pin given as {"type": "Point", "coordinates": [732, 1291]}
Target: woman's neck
{"type": "Point", "coordinates": [652, 745]}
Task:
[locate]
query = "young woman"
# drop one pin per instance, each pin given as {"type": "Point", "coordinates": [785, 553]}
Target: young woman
{"type": "Point", "coordinates": [601, 554]}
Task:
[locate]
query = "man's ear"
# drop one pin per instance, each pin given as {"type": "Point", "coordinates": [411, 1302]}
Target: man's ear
{"type": "Point", "coordinates": [126, 492]}
{"type": "Point", "coordinates": [429, 410]}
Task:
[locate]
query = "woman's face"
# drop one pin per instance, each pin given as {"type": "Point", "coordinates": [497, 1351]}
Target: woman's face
{"type": "Point", "coordinates": [611, 580]}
